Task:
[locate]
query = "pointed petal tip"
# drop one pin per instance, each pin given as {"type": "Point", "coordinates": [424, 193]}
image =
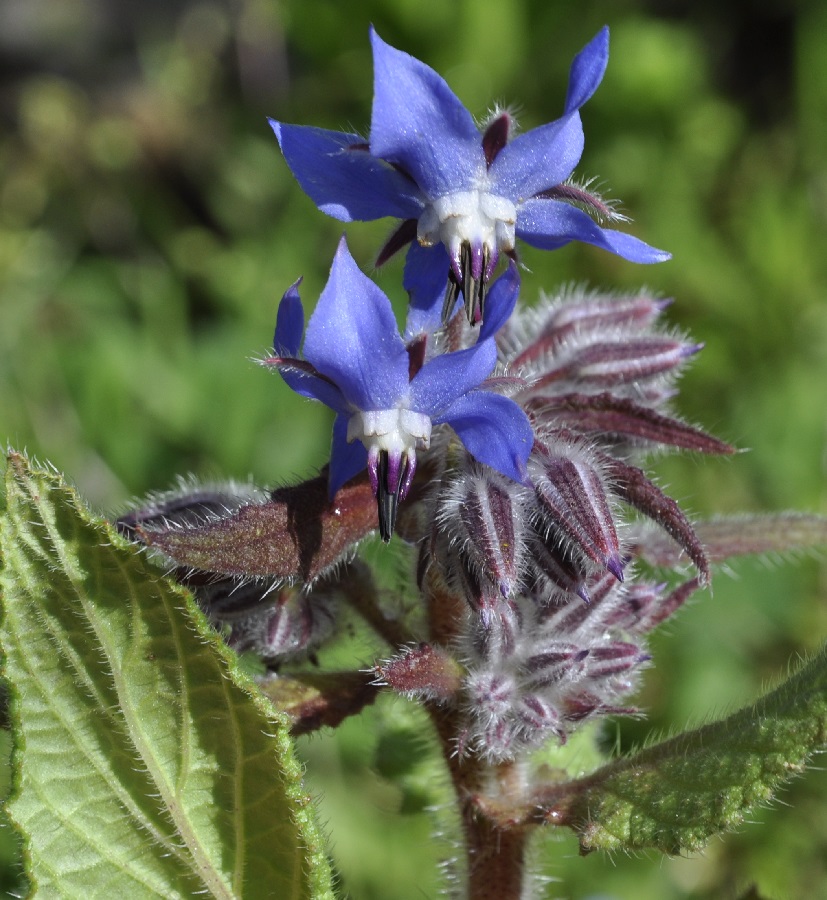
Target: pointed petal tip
{"type": "Point", "coordinates": [615, 565]}
{"type": "Point", "coordinates": [276, 126]}
{"type": "Point", "coordinates": [289, 322]}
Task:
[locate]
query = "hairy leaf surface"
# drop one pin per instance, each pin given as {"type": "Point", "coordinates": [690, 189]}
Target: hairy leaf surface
{"type": "Point", "coordinates": [146, 765]}
{"type": "Point", "coordinates": [674, 796]}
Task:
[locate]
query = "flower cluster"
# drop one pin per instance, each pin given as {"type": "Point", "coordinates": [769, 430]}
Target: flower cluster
{"type": "Point", "coordinates": [463, 195]}
{"type": "Point", "coordinates": [555, 627]}
{"type": "Point", "coordinates": [509, 433]}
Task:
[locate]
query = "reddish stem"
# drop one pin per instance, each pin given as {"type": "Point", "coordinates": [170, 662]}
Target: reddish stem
{"type": "Point", "coordinates": [495, 853]}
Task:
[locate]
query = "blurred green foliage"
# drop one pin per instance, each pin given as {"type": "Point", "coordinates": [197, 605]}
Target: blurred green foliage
{"type": "Point", "coordinates": [148, 227]}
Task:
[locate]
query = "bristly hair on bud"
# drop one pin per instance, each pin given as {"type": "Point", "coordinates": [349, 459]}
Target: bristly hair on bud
{"type": "Point", "coordinates": [481, 517]}
{"type": "Point", "coordinates": [555, 620]}
{"type": "Point", "coordinates": [562, 666]}
{"type": "Point", "coordinates": [285, 626]}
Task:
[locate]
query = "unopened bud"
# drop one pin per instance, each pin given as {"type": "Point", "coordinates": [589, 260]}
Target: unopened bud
{"type": "Point", "coordinates": [424, 671]}
{"type": "Point", "coordinates": [573, 496]}
{"type": "Point", "coordinates": [481, 518]}
{"type": "Point", "coordinates": [297, 623]}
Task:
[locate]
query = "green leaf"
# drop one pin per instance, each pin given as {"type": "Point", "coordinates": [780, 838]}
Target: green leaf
{"type": "Point", "coordinates": [146, 764]}
{"type": "Point", "coordinates": [674, 796]}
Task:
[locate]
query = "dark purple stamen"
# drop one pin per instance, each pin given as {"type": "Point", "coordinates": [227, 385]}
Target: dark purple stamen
{"type": "Point", "coordinates": [475, 264]}
{"type": "Point", "coordinates": [416, 355]}
{"type": "Point", "coordinates": [496, 137]}
{"type": "Point", "coordinates": [393, 481]}
{"type": "Point", "coordinates": [400, 238]}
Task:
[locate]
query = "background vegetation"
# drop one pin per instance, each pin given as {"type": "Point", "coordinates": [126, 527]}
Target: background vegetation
{"type": "Point", "coordinates": [148, 227]}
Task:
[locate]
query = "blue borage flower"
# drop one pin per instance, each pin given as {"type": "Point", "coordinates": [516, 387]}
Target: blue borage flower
{"type": "Point", "coordinates": [388, 400]}
{"type": "Point", "coordinates": [463, 195]}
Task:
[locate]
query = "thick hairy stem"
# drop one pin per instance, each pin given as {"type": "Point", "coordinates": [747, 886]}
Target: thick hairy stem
{"type": "Point", "coordinates": [494, 852]}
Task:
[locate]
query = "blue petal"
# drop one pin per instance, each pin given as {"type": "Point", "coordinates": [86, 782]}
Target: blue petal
{"type": "Point", "coordinates": [346, 460]}
{"type": "Point", "coordinates": [289, 322]}
{"type": "Point", "coordinates": [353, 338]}
{"type": "Point", "coordinates": [445, 378]}
{"type": "Point", "coordinates": [307, 383]}
{"type": "Point", "coordinates": [500, 301]}
{"type": "Point", "coordinates": [495, 431]}
{"type": "Point", "coordinates": [419, 123]}
{"type": "Point", "coordinates": [587, 70]}
{"type": "Point", "coordinates": [348, 184]}
{"type": "Point", "coordinates": [549, 224]}
{"type": "Point", "coordinates": [538, 159]}
{"type": "Point", "coordinates": [425, 279]}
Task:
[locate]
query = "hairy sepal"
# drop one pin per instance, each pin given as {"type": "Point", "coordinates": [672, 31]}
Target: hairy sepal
{"type": "Point", "coordinates": [297, 535]}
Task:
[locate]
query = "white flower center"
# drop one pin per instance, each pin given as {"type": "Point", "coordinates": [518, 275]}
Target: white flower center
{"type": "Point", "coordinates": [474, 217]}
{"type": "Point", "coordinates": [397, 431]}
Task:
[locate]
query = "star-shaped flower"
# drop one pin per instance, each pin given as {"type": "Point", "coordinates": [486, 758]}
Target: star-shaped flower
{"type": "Point", "coordinates": [386, 398]}
{"type": "Point", "coordinates": [464, 195]}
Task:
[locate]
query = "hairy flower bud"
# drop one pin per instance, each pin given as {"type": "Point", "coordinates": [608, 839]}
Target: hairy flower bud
{"type": "Point", "coordinates": [482, 516]}
{"type": "Point", "coordinates": [295, 624]}
{"type": "Point", "coordinates": [424, 671]}
{"type": "Point", "coordinates": [575, 504]}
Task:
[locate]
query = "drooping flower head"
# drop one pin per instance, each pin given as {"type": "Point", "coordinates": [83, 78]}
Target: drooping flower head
{"type": "Point", "coordinates": [464, 195]}
{"type": "Point", "coordinates": [386, 398]}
